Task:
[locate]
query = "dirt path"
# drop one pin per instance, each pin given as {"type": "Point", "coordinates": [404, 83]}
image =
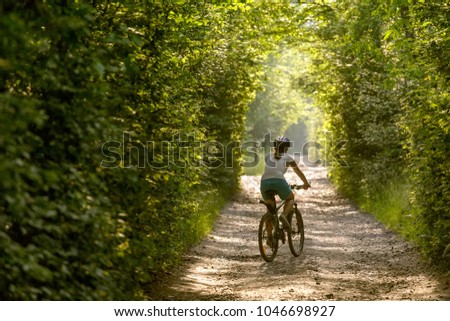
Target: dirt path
{"type": "Point", "coordinates": [347, 255]}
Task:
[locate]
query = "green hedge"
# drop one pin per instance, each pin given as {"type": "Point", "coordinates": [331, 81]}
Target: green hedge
{"type": "Point", "coordinates": [83, 91]}
{"type": "Point", "coordinates": [384, 87]}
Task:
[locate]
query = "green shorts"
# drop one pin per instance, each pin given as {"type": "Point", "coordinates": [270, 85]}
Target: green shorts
{"type": "Point", "coordinates": [279, 185]}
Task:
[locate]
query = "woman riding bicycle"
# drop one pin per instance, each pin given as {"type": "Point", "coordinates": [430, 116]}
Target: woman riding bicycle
{"type": "Point", "coordinates": [276, 165]}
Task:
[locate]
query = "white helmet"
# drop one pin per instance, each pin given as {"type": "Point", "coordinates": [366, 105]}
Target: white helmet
{"type": "Point", "coordinates": [282, 141]}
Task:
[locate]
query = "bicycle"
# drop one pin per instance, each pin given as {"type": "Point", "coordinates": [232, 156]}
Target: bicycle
{"type": "Point", "coordinates": [270, 232]}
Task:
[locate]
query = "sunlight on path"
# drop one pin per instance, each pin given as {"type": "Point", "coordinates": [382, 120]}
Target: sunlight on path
{"type": "Point", "coordinates": [348, 255]}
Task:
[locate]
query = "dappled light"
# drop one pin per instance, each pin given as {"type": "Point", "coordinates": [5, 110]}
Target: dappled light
{"type": "Point", "coordinates": [126, 128]}
{"type": "Point", "coordinates": [347, 255]}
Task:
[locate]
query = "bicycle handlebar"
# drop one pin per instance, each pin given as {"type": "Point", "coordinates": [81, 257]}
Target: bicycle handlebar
{"type": "Point", "coordinates": [296, 186]}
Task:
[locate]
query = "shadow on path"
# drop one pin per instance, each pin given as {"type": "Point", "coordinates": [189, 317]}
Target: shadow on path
{"type": "Point", "coordinates": [348, 255]}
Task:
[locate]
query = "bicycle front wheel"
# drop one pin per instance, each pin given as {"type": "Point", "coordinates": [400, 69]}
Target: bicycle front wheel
{"type": "Point", "coordinates": [267, 237]}
{"type": "Point", "coordinates": [297, 236]}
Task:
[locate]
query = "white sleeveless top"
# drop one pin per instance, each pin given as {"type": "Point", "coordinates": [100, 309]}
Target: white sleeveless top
{"type": "Point", "coordinates": [275, 168]}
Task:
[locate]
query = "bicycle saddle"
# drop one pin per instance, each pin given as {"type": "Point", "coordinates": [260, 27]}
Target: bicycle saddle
{"type": "Point", "coordinates": [269, 207]}
{"type": "Point", "coordinates": [271, 192]}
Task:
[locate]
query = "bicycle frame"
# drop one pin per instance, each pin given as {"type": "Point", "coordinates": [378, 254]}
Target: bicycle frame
{"type": "Point", "coordinates": [281, 204]}
{"type": "Point", "coordinates": [269, 206]}
{"type": "Point", "coordinates": [279, 232]}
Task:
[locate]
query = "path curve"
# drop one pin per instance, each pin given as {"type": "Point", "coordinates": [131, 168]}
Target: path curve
{"type": "Point", "coordinates": [348, 255]}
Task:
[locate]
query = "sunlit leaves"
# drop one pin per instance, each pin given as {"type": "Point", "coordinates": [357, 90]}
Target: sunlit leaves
{"type": "Point", "coordinates": [384, 85]}
{"type": "Point", "coordinates": [75, 77]}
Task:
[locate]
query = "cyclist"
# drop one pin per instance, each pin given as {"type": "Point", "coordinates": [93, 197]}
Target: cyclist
{"type": "Point", "coordinates": [276, 165]}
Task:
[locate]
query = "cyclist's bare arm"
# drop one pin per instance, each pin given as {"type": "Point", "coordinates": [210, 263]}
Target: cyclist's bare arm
{"type": "Point", "coordinates": [299, 173]}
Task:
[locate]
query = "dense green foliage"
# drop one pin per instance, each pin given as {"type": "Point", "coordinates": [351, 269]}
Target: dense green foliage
{"type": "Point", "coordinates": [279, 104]}
{"type": "Point", "coordinates": [381, 74]}
{"type": "Point", "coordinates": [115, 122]}
{"type": "Point", "coordinates": [120, 122]}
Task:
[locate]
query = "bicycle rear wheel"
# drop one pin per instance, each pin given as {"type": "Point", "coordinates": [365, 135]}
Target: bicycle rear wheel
{"type": "Point", "coordinates": [267, 237]}
{"type": "Point", "coordinates": [297, 236]}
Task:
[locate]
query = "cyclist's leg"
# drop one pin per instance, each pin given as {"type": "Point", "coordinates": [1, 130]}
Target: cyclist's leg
{"type": "Point", "coordinates": [288, 196]}
{"type": "Point", "coordinates": [271, 201]}
{"type": "Point", "coordinates": [269, 198]}
{"type": "Point", "coordinates": [269, 227]}
{"type": "Point", "coordinates": [289, 204]}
